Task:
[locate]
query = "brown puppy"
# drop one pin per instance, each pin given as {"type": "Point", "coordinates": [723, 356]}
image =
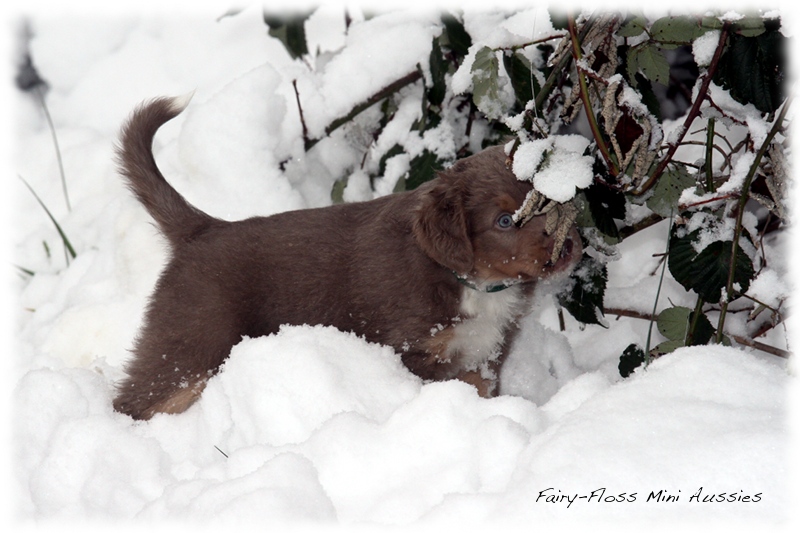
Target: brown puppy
{"type": "Point", "coordinates": [440, 273]}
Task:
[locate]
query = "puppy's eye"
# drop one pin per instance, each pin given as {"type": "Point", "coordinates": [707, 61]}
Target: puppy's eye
{"type": "Point", "coordinates": [505, 221]}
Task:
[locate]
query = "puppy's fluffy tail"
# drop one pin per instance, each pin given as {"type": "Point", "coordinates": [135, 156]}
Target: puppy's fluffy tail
{"type": "Point", "coordinates": [177, 219]}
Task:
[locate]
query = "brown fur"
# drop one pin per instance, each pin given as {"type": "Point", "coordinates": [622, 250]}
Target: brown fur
{"type": "Point", "coordinates": [385, 269]}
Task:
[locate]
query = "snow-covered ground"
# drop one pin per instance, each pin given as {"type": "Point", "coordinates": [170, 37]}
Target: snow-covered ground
{"type": "Point", "coordinates": [314, 426]}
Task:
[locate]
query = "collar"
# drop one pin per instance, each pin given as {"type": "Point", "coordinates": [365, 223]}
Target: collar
{"type": "Point", "coordinates": [493, 287]}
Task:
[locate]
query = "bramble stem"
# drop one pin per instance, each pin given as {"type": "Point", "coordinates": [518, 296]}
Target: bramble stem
{"type": "Point", "coordinates": [740, 212]}
{"type": "Point", "coordinates": [587, 104]}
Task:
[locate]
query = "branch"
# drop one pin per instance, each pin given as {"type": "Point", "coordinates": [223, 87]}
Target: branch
{"type": "Point", "coordinates": [738, 338]}
{"type": "Point", "coordinates": [390, 89]}
{"type": "Point", "coordinates": [693, 114]}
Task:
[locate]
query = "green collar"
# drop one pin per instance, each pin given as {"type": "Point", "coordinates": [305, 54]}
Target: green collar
{"type": "Point", "coordinates": [495, 287]}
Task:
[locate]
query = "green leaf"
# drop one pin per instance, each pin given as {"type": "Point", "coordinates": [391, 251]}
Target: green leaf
{"type": "Point", "coordinates": [667, 190]}
{"type": "Point", "coordinates": [673, 323]}
{"type": "Point", "coordinates": [583, 297]}
{"type": "Point", "coordinates": [753, 70]}
{"type": "Point", "coordinates": [631, 359]}
{"type": "Point", "coordinates": [752, 26]}
{"type": "Point", "coordinates": [633, 27]}
{"type": "Point", "coordinates": [676, 29]}
{"type": "Point", "coordinates": [706, 273]}
{"type": "Point", "coordinates": [667, 347]}
{"type": "Point", "coordinates": [456, 37]}
{"type": "Point", "coordinates": [651, 61]}
{"type": "Point", "coordinates": [486, 83]}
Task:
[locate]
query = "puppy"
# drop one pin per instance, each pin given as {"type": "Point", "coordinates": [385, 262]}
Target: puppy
{"type": "Point", "coordinates": [440, 273]}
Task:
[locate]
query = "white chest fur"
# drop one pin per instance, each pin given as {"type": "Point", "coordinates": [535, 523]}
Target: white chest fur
{"type": "Point", "coordinates": [484, 320]}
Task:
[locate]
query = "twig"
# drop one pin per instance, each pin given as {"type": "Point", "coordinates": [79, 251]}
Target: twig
{"type": "Point", "coordinates": [761, 346]}
{"type": "Point", "coordinates": [300, 109]}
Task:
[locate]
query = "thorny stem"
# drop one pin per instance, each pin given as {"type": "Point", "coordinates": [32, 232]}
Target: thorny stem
{"type": "Point", "coordinates": [740, 212]}
{"type": "Point", "coordinates": [587, 104]}
{"type": "Point", "coordinates": [693, 114]}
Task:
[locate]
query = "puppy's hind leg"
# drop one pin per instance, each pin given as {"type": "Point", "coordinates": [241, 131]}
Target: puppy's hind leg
{"type": "Point", "coordinates": [168, 372]}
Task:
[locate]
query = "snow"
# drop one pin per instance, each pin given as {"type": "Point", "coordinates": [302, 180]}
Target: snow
{"type": "Point", "coordinates": [555, 165]}
{"type": "Point", "coordinates": [312, 426]}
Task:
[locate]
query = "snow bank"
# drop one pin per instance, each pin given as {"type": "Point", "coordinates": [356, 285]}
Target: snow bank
{"type": "Point", "coordinates": [312, 425]}
{"type": "Point", "coordinates": [315, 424]}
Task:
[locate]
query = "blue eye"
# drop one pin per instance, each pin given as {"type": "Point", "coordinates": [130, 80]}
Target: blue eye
{"type": "Point", "coordinates": [505, 221]}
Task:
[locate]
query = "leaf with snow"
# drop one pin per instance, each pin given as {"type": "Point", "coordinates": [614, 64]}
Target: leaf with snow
{"type": "Point", "coordinates": [753, 70]}
{"type": "Point", "coordinates": [631, 359]}
{"type": "Point", "coordinates": [555, 165]}
{"type": "Point", "coordinates": [583, 297]}
{"type": "Point", "coordinates": [486, 83]}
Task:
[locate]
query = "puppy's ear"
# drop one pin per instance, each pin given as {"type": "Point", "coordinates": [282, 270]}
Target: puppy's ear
{"type": "Point", "coordinates": [440, 226]}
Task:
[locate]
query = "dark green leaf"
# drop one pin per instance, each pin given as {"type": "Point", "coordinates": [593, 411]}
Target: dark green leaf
{"type": "Point", "coordinates": [523, 82]}
{"type": "Point", "coordinates": [668, 189]}
{"type": "Point", "coordinates": [706, 273]}
{"type": "Point", "coordinates": [423, 168]}
{"type": "Point", "coordinates": [703, 331]}
{"type": "Point", "coordinates": [393, 151]}
{"type": "Point", "coordinates": [606, 205]}
{"type": "Point", "coordinates": [583, 297]}
{"type": "Point", "coordinates": [457, 38]}
{"type": "Point", "coordinates": [753, 70]}
{"type": "Point", "coordinates": [290, 30]}
{"type": "Point", "coordinates": [558, 18]}
{"type": "Point", "coordinates": [438, 69]}
{"type": "Point", "coordinates": [631, 359]}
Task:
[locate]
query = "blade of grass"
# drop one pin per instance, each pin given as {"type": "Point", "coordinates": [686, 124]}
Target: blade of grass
{"type": "Point", "coordinates": [40, 94]}
{"type": "Point", "coordinates": [64, 239]}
